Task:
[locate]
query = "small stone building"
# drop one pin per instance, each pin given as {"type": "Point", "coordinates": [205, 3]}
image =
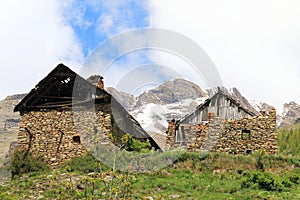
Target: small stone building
{"type": "Point", "coordinates": [222, 124]}
{"type": "Point", "coordinates": [65, 116]}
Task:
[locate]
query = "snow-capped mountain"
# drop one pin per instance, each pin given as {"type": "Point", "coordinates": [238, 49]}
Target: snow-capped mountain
{"type": "Point", "coordinates": [260, 105]}
{"type": "Point", "coordinates": [173, 99]}
{"type": "Point", "coordinates": [153, 117]}
{"type": "Point", "coordinates": [178, 97]}
{"type": "Point", "coordinates": [170, 92]}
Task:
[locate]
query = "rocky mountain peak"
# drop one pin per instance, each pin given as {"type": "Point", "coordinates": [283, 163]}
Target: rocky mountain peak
{"type": "Point", "coordinates": [291, 114]}
{"type": "Point", "coordinates": [243, 101]}
{"type": "Point", "coordinates": [170, 92]}
{"type": "Point", "coordinates": [127, 101]}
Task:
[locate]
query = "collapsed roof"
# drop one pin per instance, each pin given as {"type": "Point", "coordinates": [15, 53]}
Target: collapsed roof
{"type": "Point", "coordinates": [63, 88]}
{"type": "Point", "coordinates": [60, 87]}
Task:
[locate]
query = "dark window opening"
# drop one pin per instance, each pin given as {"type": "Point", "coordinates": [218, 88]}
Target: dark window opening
{"type": "Point", "coordinates": [246, 135]}
{"type": "Point", "coordinates": [248, 151]}
{"type": "Point", "coordinates": [76, 139]}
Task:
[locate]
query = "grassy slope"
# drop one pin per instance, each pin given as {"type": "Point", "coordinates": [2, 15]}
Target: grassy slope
{"type": "Point", "coordinates": [217, 176]}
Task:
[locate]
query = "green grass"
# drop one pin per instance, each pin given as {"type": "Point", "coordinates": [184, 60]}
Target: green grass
{"type": "Point", "coordinates": [191, 176]}
{"type": "Point", "coordinates": [221, 176]}
{"type": "Point", "coordinates": [187, 184]}
{"type": "Point", "coordinates": [214, 176]}
{"type": "Point", "coordinates": [205, 185]}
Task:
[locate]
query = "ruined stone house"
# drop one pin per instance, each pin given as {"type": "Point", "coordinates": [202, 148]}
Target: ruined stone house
{"type": "Point", "coordinates": [65, 116]}
{"type": "Point", "coordinates": [222, 124]}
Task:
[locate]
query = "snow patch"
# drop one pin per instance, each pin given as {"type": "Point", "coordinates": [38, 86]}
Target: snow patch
{"type": "Point", "coordinates": [255, 104]}
{"type": "Point", "coordinates": [155, 117]}
{"type": "Point", "coordinates": [151, 117]}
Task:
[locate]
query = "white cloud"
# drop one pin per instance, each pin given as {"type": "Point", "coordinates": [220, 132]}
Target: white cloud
{"type": "Point", "coordinates": [140, 50]}
{"type": "Point", "coordinates": [182, 67]}
{"type": "Point", "coordinates": [105, 23]}
{"type": "Point", "coordinates": [118, 15]}
{"type": "Point", "coordinates": [254, 44]}
{"type": "Point", "coordinates": [74, 12]}
{"type": "Point", "coordinates": [34, 39]}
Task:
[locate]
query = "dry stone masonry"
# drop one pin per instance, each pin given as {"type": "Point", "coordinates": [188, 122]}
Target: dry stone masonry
{"type": "Point", "coordinates": [58, 136]}
{"type": "Point", "coordinates": [65, 116]}
{"type": "Point", "coordinates": [231, 136]}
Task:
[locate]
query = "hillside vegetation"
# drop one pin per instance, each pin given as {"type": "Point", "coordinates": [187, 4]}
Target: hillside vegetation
{"type": "Point", "coordinates": [192, 176]}
{"type": "Point", "coordinates": [289, 140]}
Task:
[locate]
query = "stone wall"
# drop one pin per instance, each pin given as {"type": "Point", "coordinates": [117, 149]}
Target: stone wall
{"type": "Point", "coordinates": [247, 135]}
{"type": "Point", "coordinates": [58, 136]}
{"type": "Point", "coordinates": [234, 136]}
{"type": "Point", "coordinates": [170, 140]}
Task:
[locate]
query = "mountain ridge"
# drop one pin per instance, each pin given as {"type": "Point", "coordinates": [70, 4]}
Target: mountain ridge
{"type": "Point", "coordinates": [171, 91]}
{"type": "Point", "coordinates": [178, 95]}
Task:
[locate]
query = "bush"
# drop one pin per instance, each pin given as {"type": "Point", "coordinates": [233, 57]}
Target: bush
{"type": "Point", "coordinates": [23, 162]}
{"type": "Point", "coordinates": [84, 164]}
{"type": "Point", "coordinates": [294, 176]}
{"type": "Point", "coordinates": [132, 144]}
{"type": "Point", "coordinates": [265, 181]}
{"type": "Point", "coordinates": [194, 156]}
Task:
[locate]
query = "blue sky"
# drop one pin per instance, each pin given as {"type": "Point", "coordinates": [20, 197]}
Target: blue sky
{"type": "Point", "coordinates": [255, 44]}
{"type": "Point", "coordinates": [93, 22]}
{"type": "Point", "coordinates": [42, 34]}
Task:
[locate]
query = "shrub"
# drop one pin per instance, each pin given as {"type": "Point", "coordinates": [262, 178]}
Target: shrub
{"type": "Point", "coordinates": [23, 162]}
{"type": "Point", "coordinates": [84, 164]}
{"type": "Point", "coordinates": [132, 144]}
{"type": "Point", "coordinates": [194, 156]}
{"type": "Point", "coordinates": [294, 176]}
{"type": "Point", "coordinates": [264, 180]}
